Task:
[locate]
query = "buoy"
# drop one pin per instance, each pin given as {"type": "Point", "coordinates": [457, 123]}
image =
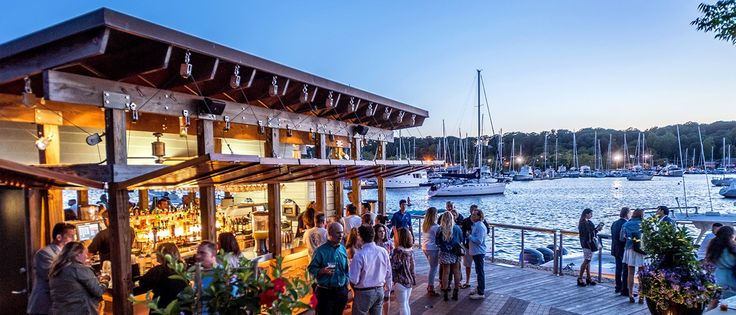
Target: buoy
{"type": "Point", "coordinates": [548, 253]}
{"type": "Point", "coordinates": [532, 256]}
{"type": "Point", "coordinates": [552, 247]}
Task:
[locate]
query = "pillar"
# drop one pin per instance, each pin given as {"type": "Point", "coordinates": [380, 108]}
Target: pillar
{"type": "Point", "coordinates": [207, 209]}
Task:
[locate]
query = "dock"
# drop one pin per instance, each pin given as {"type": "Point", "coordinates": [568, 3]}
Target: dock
{"type": "Point", "coordinates": [513, 290]}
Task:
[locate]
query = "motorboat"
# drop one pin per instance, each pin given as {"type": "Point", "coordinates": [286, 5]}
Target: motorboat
{"type": "Point", "coordinates": [729, 192]}
{"type": "Point", "coordinates": [414, 179]}
{"type": "Point", "coordinates": [671, 170]}
{"type": "Point", "coordinates": [524, 174]}
{"type": "Point", "coordinates": [467, 188]}
{"type": "Point", "coordinates": [639, 177]}
{"type": "Point", "coordinates": [723, 181]}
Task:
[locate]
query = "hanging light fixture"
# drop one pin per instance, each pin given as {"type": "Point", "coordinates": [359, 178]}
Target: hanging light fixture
{"type": "Point", "coordinates": [158, 148]}
{"type": "Point", "coordinates": [43, 142]}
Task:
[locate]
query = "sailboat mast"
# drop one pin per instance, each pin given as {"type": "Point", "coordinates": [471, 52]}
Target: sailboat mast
{"type": "Point", "coordinates": [479, 145]}
{"type": "Point", "coordinates": [608, 154]}
{"type": "Point", "coordinates": [595, 150]}
{"type": "Point", "coordinates": [682, 166]}
{"type": "Point", "coordinates": [513, 147]}
{"type": "Point", "coordinates": [626, 151]}
{"type": "Point", "coordinates": [556, 167]}
{"type": "Point", "coordinates": [545, 152]}
{"type": "Point", "coordinates": [723, 158]}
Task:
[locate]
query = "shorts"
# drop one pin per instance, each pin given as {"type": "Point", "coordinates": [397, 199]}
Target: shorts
{"type": "Point", "coordinates": [468, 260]}
{"type": "Point", "coordinates": [587, 254]}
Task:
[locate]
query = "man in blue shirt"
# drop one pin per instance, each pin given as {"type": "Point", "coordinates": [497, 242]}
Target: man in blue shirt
{"type": "Point", "coordinates": [663, 213]}
{"type": "Point", "coordinates": [330, 267]}
{"type": "Point", "coordinates": [477, 241]}
{"type": "Point", "coordinates": [401, 219]}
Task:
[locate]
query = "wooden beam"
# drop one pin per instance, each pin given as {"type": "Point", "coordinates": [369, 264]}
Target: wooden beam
{"type": "Point", "coordinates": [54, 210]}
{"type": "Point", "coordinates": [143, 199]}
{"type": "Point", "coordinates": [82, 199]}
{"type": "Point", "coordinates": [272, 145]}
{"type": "Point", "coordinates": [338, 199]}
{"type": "Point", "coordinates": [33, 230]}
{"type": "Point", "coordinates": [381, 195]}
{"type": "Point", "coordinates": [381, 150]}
{"type": "Point", "coordinates": [320, 150]}
{"type": "Point", "coordinates": [78, 89]}
{"type": "Point", "coordinates": [115, 137]}
{"type": "Point", "coordinates": [208, 210]}
{"type": "Point", "coordinates": [122, 277]}
{"type": "Point", "coordinates": [30, 62]}
{"type": "Point", "coordinates": [274, 219]}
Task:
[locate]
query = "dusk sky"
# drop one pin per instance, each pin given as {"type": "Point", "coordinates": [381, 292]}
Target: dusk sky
{"type": "Point", "coordinates": [546, 64]}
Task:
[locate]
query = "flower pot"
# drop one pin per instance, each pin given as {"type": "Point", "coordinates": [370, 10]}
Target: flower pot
{"type": "Point", "coordinates": [674, 309]}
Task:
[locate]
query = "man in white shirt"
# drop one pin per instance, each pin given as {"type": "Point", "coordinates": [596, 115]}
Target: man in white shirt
{"type": "Point", "coordinates": [316, 236]}
{"type": "Point", "coordinates": [352, 220]}
{"type": "Point", "coordinates": [369, 274]}
{"type": "Point", "coordinates": [706, 240]}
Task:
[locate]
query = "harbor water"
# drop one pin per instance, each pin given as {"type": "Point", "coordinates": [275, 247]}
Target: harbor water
{"type": "Point", "coordinates": [557, 204]}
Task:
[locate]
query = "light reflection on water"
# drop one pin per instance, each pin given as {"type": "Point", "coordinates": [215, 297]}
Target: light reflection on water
{"type": "Point", "coordinates": [557, 204]}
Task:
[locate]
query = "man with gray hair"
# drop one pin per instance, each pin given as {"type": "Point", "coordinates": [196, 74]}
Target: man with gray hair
{"type": "Point", "coordinates": [329, 266]}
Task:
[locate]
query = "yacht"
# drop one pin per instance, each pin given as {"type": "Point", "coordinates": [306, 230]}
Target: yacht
{"type": "Point", "coordinates": [723, 181]}
{"type": "Point", "coordinates": [671, 170]}
{"type": "Point", "coordinates": [410, 180]}
{"type": "Point", "coordinates": [524, 174]}
{"type": "Point", "coordinates": [729, 192]}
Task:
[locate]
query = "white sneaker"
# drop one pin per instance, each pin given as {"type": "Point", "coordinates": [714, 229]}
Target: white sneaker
{"type": "Point", "coordinates": [476, 296]}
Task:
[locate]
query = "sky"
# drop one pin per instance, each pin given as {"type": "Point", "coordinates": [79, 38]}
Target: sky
{"type": "Point", "coordinates": [564, 64]}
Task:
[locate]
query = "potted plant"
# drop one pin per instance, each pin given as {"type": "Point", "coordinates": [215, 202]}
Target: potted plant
{"type": "Point", "coordinates": [244, 290]}
{"type": "Point", "coordinates": [674, 281]}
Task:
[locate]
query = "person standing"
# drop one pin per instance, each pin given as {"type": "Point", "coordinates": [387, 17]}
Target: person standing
{"type": "Point", "coordinates": [457, 217]}
{"type": "Point", "coordinates": [589, 242]}
{"type": "Point", "coordinates": [706, 240]}
{"type": "Point", "coordinates": [722, 254]}
{"type": "Point", "coordinates": [316, 236]}
{"type": "Point", "coordinates": [366, 209]}
{"type": "Point", "coordinates": [429, 247]}
{"type": "Point", "coordinates": [158, 279]}
{"type": "Point", "coordinates": [102, 242]}
{"type": "Point", "coordinates": [663, 213]}
{"type": "Point", "coordinates": [402, 267]}
{"type": "Point", "coordinates": [352, 221]}
{"type": "Point", "coordinates": [633, 253]}
{"type": "Point", "coordinates": [329, 267]}
{"type": "Point", "coordinates": [229, 244]}
{"type": "Point", "coordinates": [75, 290]}
{"type": "Point", "coordinates": [40, 300]}
{"type": "Point", "coordinates": [207, 256]}
{"type": "Point", "coordinates": [370, 274]}
{"type": "Point", "coordinates": [449, 240]}
{"type": "Point", "coordinates": [477, 250]}
{"type": "Point", "coordinates": [467, 226]}
{"type": "Point", "coordinates": [618, 243]}
{"type": "Point", "coordinates": [401, 219]}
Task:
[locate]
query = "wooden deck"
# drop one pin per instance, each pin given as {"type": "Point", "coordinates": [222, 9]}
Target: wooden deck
{"type": "Point", "coordinates": [512, 290]}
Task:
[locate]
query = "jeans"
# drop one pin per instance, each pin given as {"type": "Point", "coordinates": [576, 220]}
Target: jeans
{"type": "Point", "coordinates": [402, 298]}
{"type": "Point", "coordinates": [368, 302]}
{"type": "Point", "coordinates": [331, 301]}
{"type": "Point", "coordinates": [480, 272]}
{"type": "Point", "coordinates": [433, 256]}
{"type": "Point", "coordinates": [622, 273]}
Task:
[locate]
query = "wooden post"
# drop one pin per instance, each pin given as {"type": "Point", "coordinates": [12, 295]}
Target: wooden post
{"type": "Point", "coordinates": [207, 208]}
{"type": "Point", "coordinates": [274, 219]}
{"type": "Point", "coordinates": [82, 199]}
{"type": "Point", "coordinates": [33, 230]}
{"type": "Point", "coordinates": [117, 154]}
{"type": "Point", "coordinates": [381, 155]}
{"type": "Point", "coordinates": [54, 210]}
{"type": "Point", "coordinates": [143, 199]}
{"type": "Point", "coordinates": [337, 195]}
{"type": "Point", "coordinates": [273, 143]}
{"type": "Point", "coordinates": [355, 187]}
{"type": "Point", "coordinates": [321, 185]}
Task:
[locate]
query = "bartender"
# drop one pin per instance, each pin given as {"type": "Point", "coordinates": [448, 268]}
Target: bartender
{"type": "Point", "coordinates": [101, 243]}
{"type": "Point", "coordinates": [162, 205]}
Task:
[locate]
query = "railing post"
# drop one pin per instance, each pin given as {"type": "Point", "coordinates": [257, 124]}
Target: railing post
{"type": "Point", "coordinates": [562, 267]}
{"type": "Point", "coordinates": [600, 258]}
{"type": "Point", "coordinates": [521, 256]}
{"type": "Point", "coordinates": [420, 230]}
{"type": "Point", "coordinates": [555, 252]}
{"type": "Point", "coordinates": [493, 244]}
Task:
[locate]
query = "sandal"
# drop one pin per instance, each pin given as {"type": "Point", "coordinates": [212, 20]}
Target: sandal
{"type": "Point", "coordinates": [581, 283]}
{"type": "Point", "coordinates": [465, 286]}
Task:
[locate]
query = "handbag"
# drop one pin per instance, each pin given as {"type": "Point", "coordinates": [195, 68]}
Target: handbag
{"type": "Point", "coordinates": [458, 250]}
{"type": "Point", "coordinates": [593, 245]}
{"type": "Point", "coordinates": [637, 246]}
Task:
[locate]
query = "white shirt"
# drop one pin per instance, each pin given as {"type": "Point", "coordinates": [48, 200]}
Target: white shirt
{"type": "Point", "coordinates": [370, 267]}
{"type": "Point", "coordinates": [428, 238]}
{"type": "Point", "coordinates": [704, 245]}
{"type": "Point", "coordinates": [314, 237]}
{"type": "Point", "coordinates": [351, 222]}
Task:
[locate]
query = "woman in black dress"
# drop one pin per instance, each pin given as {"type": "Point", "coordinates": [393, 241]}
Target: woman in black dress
{"type": "Point", "coordinates": [157, 278]}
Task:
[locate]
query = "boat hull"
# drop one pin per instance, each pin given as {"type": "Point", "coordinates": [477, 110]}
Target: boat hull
{"type": "Point", "coordinates": [639, 178]}
{"type": "Point", "coordinates": [479, 189]}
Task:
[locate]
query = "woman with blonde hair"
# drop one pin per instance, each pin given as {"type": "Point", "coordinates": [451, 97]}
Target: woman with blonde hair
{"type": "Point", "coordinates": [449, 239]}
{"type": "Point", "coordinates": [74, 287]}
{"type": "Point", "coordinates": [429, 246]}
{"type": "Point", "coordinates": [353, 243]}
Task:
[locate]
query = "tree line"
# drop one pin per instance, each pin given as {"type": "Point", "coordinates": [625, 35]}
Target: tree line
{"type": "Point", "coordinates": [661, 144]}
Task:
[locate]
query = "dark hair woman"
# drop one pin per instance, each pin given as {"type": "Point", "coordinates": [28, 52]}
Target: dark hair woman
{"type": "Point", "coordinates": [722, 254]}
{"type": "Point", "coordinates": [589, 242]}
{"type": "Point", "coordinates": [402, 266]}
{"type": "Point", "coordinates": [229, 244]}
{"type": "Point", "coordinates": [158, 280]}
{"type": "Point", "coordinates": [74, 287]}
{"type": "Point", "coordinates": [633, 255]}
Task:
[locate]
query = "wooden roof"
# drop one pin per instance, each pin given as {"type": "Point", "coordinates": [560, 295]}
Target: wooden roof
{"type": "Point", "coordinates": [229, 169]}
{"type": "Point", "coordinates": [108, 45]}
{"type": "Point", "coordinates": [25, 176]}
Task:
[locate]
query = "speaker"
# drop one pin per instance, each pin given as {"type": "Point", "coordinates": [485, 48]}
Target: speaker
{"type": "Point", "coordinates": [210, 106]}
{"type": "Point", "coordinates": [361, 130]}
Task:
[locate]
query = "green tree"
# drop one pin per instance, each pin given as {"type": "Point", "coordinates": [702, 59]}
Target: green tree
{"type": "Point", "coordinates": [719, 18]}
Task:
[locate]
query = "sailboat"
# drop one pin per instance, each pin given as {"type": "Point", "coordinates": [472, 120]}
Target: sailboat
{"type": "Point", "coordinates": [470, 187]}
{"type": "Point", "coordinates": [638, 174]}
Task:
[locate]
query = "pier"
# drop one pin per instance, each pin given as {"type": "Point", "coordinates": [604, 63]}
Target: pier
{"type": "Point", "coordinates": [513, 290]}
